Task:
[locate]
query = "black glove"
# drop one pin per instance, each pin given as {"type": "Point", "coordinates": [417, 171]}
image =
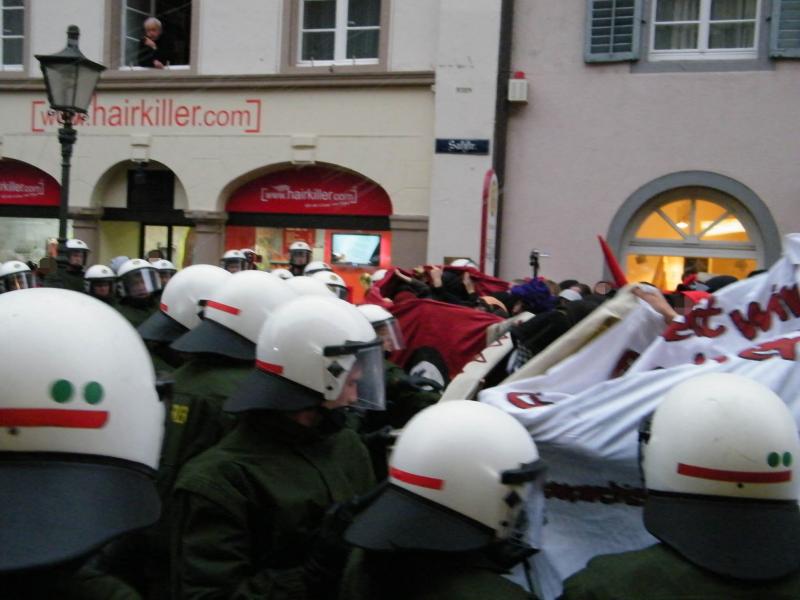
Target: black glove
{"type": "Point", "coordinates": [328, 552]}
{"type": "Point", "coordinates": [378, 440]}
{"type": "Point", "coordinates": [423, 384]}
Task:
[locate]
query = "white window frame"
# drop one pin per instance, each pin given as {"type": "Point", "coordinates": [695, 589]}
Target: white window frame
{"type": "Point", "coordinates": [340, 31]}
{"type": "Point", "coordinates": [3, 37]}
{"type": "Point", "coordinates": [703, 52]}
{"type": "Point", "coordinates": [125, 37]}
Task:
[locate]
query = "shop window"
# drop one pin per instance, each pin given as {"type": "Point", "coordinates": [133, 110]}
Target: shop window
{"type": "Point", "coordinates": [28, 238]}
{"type": "Point", "coordinates": [12, 19]}
{"type": "Point", "coordinates": [333, 32]}
{"type": "Point", "coordinates": [695, 229]}
{"type": "Point", "coordinates": [173, 44]}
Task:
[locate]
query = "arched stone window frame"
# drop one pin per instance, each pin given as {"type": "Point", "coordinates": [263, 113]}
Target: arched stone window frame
{"type": "Point", "coordinates": [647, 198]}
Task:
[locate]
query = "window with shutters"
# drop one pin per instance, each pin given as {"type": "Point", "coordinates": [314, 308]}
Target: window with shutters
{"type": "Point", "coordinates": [612, 30]}
{"type": "Point", "coordinates": [704, 29]}
{"type": "Point", "coordinates": [785, 29]}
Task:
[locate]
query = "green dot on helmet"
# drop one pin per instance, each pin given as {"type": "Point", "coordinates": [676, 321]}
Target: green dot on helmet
{"type": "Point", "coordinates": [61, 391]}
{"type": "Point", "coordinates": [93, 392]}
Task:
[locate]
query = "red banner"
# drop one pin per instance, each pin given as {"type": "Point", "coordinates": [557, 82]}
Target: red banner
{"type": "Point", "coordinates": [24, 184]}
{"type": "Point", "coordinates": [311, 191]}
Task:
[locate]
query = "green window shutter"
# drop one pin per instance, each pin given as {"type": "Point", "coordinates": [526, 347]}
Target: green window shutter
{"type": "Point", "coordinates": [612, 30]}
{"type": "Point", "coordinates": [785, 29]}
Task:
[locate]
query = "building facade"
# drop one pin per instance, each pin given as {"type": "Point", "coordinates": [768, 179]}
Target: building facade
{"type": "Point", "coordinates": [272, 121]}
{"type": "Point", "coordinates": [409, 131]}
{"type": "Point", "coordinates": [669, 127]}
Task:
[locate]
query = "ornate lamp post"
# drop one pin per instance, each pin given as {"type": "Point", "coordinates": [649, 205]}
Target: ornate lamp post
{"type": "Point", "coordinates": [70, 78]}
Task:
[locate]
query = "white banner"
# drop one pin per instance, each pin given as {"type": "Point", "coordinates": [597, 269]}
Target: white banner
{"type": "Point", "coordinates": [737, 316]}
{"type": "Point", "coordinates": [589, 442]}
{"type": "Point", "coordinates": [585, 422]}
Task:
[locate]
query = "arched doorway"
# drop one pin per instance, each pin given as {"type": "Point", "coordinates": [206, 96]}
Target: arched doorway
{"type": "Point", "coordinates": [340, 214]}
{"type": "Point", "coordinates": [693, 220]}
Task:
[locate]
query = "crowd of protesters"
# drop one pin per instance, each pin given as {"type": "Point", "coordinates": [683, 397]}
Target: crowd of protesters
{"type": "Point", "coordinates": [252, 438]}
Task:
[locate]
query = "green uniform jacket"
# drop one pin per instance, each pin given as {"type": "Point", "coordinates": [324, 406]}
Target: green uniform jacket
{"type": "Point", "coordinates": [247, 509]}
{"type": "Point", "coordinates": [195, 420]}
{"type": "Point", "coordinates": [136, 315]}
{"type": "Point", "coordinates": [423, 576]}
{"type": "Point", "coordinates": [659, 573]}
{"type": "Point", "coordinates": [64, 279]}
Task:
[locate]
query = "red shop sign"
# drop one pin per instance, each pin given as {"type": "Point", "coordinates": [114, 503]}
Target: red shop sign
{"type": "Point", "coordinates": [311, 191]}
{"type": "Point", "coordinates": [24, 184]}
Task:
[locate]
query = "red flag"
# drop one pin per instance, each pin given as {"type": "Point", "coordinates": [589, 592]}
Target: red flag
{"type": "Point", "coordinates": [616, 271]}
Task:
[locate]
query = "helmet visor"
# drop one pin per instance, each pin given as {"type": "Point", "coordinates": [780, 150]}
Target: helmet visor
{"type": "Point", "coordinates": [299, 258]}
{"type": "Point", "coordinates": [140, 283]}
{"type": "Point", "coordinates": [391, 335]}
{"type": "Point", "coordinates": [341, 292]}
{"type": "Point", "coordinates": [358, 371]}
{"type": "Point", "coordinates": [20, 281]}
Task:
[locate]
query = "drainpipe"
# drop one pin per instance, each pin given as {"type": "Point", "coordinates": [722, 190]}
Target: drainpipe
{"type": "Point", "coordinates": [501, 114]}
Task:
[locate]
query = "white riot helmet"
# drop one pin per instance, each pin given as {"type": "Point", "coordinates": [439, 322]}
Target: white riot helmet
{"type": "Point", "coordinates": [98, 275]}
{"type": "Point", "coordinates": [182, 302]}
{"type": "Point", "coordinates": [315, 266]}
{"type": "Point", "coordinates": [309, 286]}
{"type": "Point", "coordinates": [137, 278]}
{"type": "Point", "coordinates": [334, 282]}
{"type": "Point", "coordinates": [165, 270]}
{"type": "Point", "coordinates": [459, 477]}
{"type": "Point", "coordinates": [16, 275]}
{"type": "Point", "coordinates": [385, 325]}
{"type": "Point", "coordinates": [80, 438]}
{"type": "Point", "coordinates": [234, 314]}
{"type": "Point", "coordinates": [77, 248]}
{"type": "Point", "coordinates": [299, 254]}
{"type": "Point", "coordinates": [314, 352]}
{"type": "Point", "coordinates": [233, 261]}
{"type": "Point", "coordinates": [282, 273]}
{"type": "Point", "coordinates": [720, 462]}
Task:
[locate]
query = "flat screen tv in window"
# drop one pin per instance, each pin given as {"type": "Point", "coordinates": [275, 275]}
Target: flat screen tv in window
{"type": "Point", "coordinates": [356, 249]}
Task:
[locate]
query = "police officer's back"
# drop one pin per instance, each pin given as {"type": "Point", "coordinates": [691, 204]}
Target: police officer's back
{"type": "Point", "coordinates": [719, 459]}
{"type": "Point", "coordinates": [251, 511]}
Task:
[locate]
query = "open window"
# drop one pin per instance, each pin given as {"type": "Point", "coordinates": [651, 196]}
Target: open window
{"type": "Point", "coordinates": [172, 44]}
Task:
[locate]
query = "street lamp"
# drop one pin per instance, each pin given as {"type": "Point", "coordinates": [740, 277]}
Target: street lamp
{"type": "Point", "coordinates": [70, 79]}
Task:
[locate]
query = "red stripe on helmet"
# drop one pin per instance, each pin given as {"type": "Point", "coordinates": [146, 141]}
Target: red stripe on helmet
{"type": "Point", "coordinates": [53, 417]}
{"type": "Point", "coordinates": [734, 476]}
{"type": "Point", "coordinates": [223, 307]}
{"type": "Point", "coordinates": [269, 367]}
{"type": "Point", "coordinates": [432, 483]}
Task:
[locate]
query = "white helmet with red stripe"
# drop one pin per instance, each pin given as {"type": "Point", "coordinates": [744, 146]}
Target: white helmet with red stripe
{"type": "Point", "coordinates": [462, 468]}
{"type": "Point", "coordinates": [182, 302]}
{"type": "Point", "coordinates": [79, 439]}
{"type": "Point", "coordinates": [234, 314]}
{"type": "Point", "coordinates": [314, 351]}
{"type": "Point", "coordinates": [720, 449]}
